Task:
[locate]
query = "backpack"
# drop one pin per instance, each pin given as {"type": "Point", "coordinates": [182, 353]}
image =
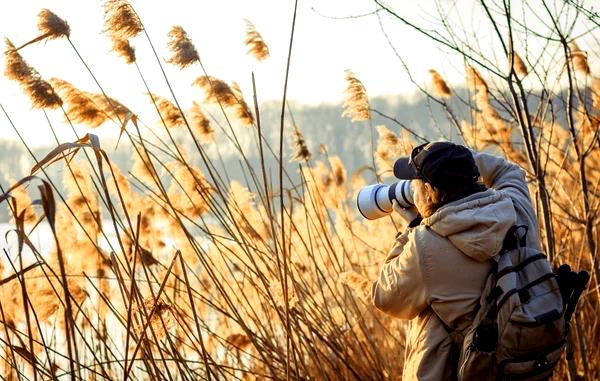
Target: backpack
{"type": "Point", "coordinates": [521, 327]}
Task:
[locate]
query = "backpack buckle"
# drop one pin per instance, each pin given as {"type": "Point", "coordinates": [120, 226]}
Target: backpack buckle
{"type": "Point", "coordinates": [541, 363]}
{"type": "Point", "coordinates": [524, 296]}
{"type": "Point", "coordinates": [512, 240]}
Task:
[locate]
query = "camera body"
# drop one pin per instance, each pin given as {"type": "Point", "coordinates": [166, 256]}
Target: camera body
{"type": "Point", "coordinates": [375, 201]}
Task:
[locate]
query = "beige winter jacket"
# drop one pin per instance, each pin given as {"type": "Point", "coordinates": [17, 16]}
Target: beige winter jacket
{"type": "Point", "coordinates": [436, 271]}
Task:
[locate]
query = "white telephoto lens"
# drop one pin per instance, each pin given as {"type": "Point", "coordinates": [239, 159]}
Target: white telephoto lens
{"type": "Point", "coordinates": [402, 192]}
{"type": "Point", "coordinates": [373, 201]}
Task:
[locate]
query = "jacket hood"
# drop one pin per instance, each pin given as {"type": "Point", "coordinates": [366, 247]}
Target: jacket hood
{"type": "Point", "coordinates": [477, 224]}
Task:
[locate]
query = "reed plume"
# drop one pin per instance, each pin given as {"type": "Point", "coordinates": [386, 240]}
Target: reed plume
{"type": "Point", "coordinates": [51, 26]}
{"type": "Point", "coordinates": [491, 117]}
{"type": "Point", "coordinates": [40, 92]}
{"type": "Point", "coordinates": [218, 91]}
{"type": "Point", "coordinates": [239, 340]}
{"type": "Point", "coordinates": [579, 59]}
{"type": "Point", "coordinates": [255, 43]}
{"type": "Point", "coordinates": [475, 80]}
{"type": "Point", "coordinates": [189, 191]}
{"type": "Point", "coordinates": [159, 313]}
{"type": "Point", "coordinates": [328, 180]}
{"type": "Point", "coordinates": [356, 103]}
{"type": "Point", "coordinates": [201, 124]}
{"type": "Point", "coordinates": [23, 205]}
{"type": "Point", "coordinates": [124, 49]}
{"type": "Point", "coordinates": [111, 107]}
{"type": "Point", "coordinates": [87, 108]}
{"type": "Point", "coordinates": [247, 215]}
{"type": "Point", "coordinates": [440, 87]}
{"type": "Point", "coordinates": [278, 293]}
{"type": "Point", "coordinates": [360, 284]}
{"type": "Point", "coordinates": [182, 48]}
{"type": "Point", "coordinates": [389, 148]}
{"type": "Point", "coordinates": [15, 68]}
{"type": "Point", "coordinates": [242, 110]}
{"type": "Point", "coordinates": [171, 115]}
{"type": "Point", "coordinates": [338, 171]}
{"type": "Point", "coordinates": [45, 300]}
{"type": "Point", "coordinates": [301, 152]}
{"type": "Point", "coordinates": [81, 107]}
{"type": "Point", "coordinates": [518, 64]}
{"type": "Point", "coordinates": [120, 20]}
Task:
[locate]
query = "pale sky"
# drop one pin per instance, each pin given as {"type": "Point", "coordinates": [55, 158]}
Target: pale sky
{"type": "Point", "coordinates": [326, 43]}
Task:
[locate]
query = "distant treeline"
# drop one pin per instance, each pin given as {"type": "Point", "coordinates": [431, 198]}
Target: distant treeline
{"type": "Point", "coordinates": [323, 126]}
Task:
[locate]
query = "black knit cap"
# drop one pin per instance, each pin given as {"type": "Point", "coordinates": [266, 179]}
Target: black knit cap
{"type": "Point", "coordinates": [444, 165]}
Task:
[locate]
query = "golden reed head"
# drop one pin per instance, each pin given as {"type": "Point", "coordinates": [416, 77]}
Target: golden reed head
{"type": "Point", "coordinates": [182, 48]}
{"type": "Point", "coordinates": [356, 103]}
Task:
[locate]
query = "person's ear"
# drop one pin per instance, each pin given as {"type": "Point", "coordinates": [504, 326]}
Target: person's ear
{"type": "Point", "coordinates": [429, 190]}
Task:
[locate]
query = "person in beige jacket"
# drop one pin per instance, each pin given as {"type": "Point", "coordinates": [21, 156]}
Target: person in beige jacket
{"type": "Point", "coordinates": [435, 272]}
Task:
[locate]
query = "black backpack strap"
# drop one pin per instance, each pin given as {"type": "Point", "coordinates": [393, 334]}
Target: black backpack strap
{"type": "Point", "coordinates": [582, 279]}
{"type": "Point", "coordinates": [571, 285]}
{"type": "Point", "coordinates": [512, 240]}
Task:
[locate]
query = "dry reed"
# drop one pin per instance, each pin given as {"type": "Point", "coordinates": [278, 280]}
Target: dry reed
{"type": "Point", "coordinates": [175, 271]}
{"type": "Point", "coordinates": [301, 152]}
{"type": "Point", "coordinates": [579, 59]}
{"type": "Point", "coordinates": [170, 114]}
{"type": "Point", "coordinates": [183, 51]}
{"type": "Point", "coordinates": [440, 87]}
{"type": "Point", "coordinates": [255, 43]}
{"type": "Point", "coordinates": [518, 64]}
{"type": "Point", "coordinates": [120, 20]}
{"type": "Point", "coordinates": [124, 49]}
{"type": "Point", "coordinates": [389, 148]}
{"type": "Point", "coordinates": [218, 91]}
{"type": "Point", "coordinates": [91, 109]}
{"type": "Point", "coordinates": [356, 103]}
{"type": "Point", "coordinates": [23, 205]}
{"type": "Point", "coordinates": [40, 92]}
{"type": "Point", "coordinates": [51, 26]}
{"type": "Point", "coordinates": [201, 124]}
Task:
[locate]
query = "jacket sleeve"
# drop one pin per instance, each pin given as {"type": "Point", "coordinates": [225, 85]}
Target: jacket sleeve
{"type": "Point", "coordinates": [500, 174]}
{"type": "Point", "coordinates": [509, 178]}
{"type": "Point", "coordinates": [401, 290]}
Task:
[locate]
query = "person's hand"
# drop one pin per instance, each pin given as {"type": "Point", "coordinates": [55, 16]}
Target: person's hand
{"type": "Point", "coordinates": [407, 214]}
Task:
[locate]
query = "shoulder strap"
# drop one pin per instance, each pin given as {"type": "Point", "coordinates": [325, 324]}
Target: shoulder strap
{"type": "Point", "coordinates": [512, 240]}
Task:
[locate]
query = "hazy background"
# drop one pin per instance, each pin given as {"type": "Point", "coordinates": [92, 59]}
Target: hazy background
{"type": "Point", "coordinates": [390, 59]}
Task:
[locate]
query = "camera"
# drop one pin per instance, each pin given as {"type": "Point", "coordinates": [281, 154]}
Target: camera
{"type": "Point", "coordinates": [375, 201]}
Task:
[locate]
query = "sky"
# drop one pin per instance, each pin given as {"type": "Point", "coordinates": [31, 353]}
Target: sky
{"type": "Point", "coordinates": [330, 37]}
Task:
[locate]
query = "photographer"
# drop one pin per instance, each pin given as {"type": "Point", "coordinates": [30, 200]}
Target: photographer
{"type": "Point", "coordinates": [434, 274]}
